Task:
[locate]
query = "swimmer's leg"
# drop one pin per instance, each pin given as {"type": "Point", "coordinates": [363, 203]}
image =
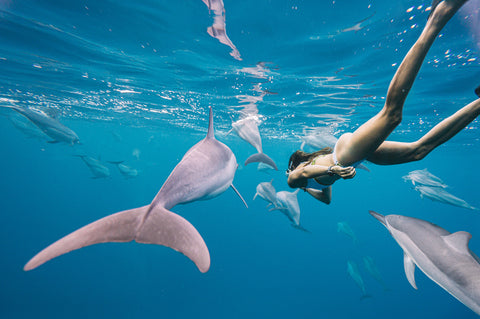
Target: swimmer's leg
{"type": "Point", "coordinates": [390, 153]}
{"type": "Point", "coordinates": [368, 137]}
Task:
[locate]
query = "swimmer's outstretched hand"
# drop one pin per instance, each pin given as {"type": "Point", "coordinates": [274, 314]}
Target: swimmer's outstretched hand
{"type": "Point", "coordinates": [344, 172]}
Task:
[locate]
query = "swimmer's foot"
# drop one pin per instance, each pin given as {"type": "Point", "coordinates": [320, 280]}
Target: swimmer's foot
{"type": "Point", "coordinates": [477, 91]}
{"type": "Point", "coordinates": [445, 8]}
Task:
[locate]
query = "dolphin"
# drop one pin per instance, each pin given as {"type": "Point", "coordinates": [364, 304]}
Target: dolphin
{"type": "Point", "coordinates": [126, 171]}
{"type": "Point", "coordinates": [441, 195]}
{"type": "Point", "coordinates": [288, 205]}
{"type": "Point", "coordinates": [444, 257]}
{"type": "Point", "coordinates": [27, 127]}
{"type": "Point", "coordinates": [48, 125]}
{"type": "Point", "coordinates": [266, 191]}
{"type": "Point", "coordinates": [344, 227]}
{"type": "Point", "coordinates": [96, 167]}
{"type": "Point", "coordinates": [354, 272]}
{"type": "Point", "coordinates": [247, 129]}
{"type": "Point", "coordinates": [424, 177]}
{"type": "Point", "coordinates": [205, 171]}
{"type": "Point", "coordinates": [372, 269]}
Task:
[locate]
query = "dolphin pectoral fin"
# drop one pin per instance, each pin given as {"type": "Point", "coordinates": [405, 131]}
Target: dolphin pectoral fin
{"type": "Point", "coordinates": [379, 217]}
{"type": "Point", "coordinates": [53, 142]}
{"type": "Point", "coordinates": [255, 196]}
{"type": "Point", "coordinates": [261, 157]}
{"type": "Point", "coordinates": [162, 227]}
{"type": "Point", "coordinates": [238, 193]}
{"type": "Point", "coordinates": [302, 146]}
{"type": "Point", "coordinates": [119, 227]}
{"type": "Point", "coordinates": [409, 266]}
{"type": "Point", "coordinates": [361, 166]}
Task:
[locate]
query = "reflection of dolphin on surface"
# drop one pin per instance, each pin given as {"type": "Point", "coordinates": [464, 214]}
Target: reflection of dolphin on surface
{"type": "Point", "coordinates": [50, 126]}
{"type": "Point", "coordinates": [205, 171]}
{"type": "Point", "coordinates": [444, 257]}
{"type": "Point", "coordinates": [266, 191]}
{"type": "Point", "coordinates": [126, 171]}
{"type": "Point", "coordinates": [354, 272]}
{"type": "Point", "coordinates": [441, 195]}
{"type": "Point", "coordinates": [96, 167]}
{"type": "Point", "coordinates": [218, 29]}
{"type": "Point", "coordinates": [247, 129]}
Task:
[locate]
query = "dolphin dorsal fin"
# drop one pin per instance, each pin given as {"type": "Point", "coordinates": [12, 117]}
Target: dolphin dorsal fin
{"type": "Point", "coordinates": [458, 241]}
{"type": "Point", "coordinates": [210, 133]}
{"type": "Point", "coordinates": [409, 266]}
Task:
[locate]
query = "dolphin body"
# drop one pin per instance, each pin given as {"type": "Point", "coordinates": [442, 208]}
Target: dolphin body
{"type": "Point", "coordinates": [50, 126]}
{"type": "Point", "coordinates": [372, 269]}
{"type": "Point", "coordinates": [266, 191]}
{"type": "Point", "coordinates": [444, 257]}
{"type": "Point", "coordinates": [424, 177]}
{"type": "Point", "coordinates": [288, 205]}
{"type": "Point", "coordinates": [353, 271]}
{"type": "Point", "coordinates": [344, 227]}
{"type": "Point", "coordinates": [441, 195]}
{"type": "Point", "coordinates": [96, 167]}
{"type": "Point", "coordinates": [126, 171]}
{"type": "Point", "coordinates": [205, 171]}
{"type": "Point", "coordinates": [247, 129]}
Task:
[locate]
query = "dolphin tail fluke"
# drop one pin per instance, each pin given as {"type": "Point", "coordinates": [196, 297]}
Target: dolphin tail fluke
{"type": "Point", "coordinates": [261, 157]}
{"type": "Point", "coordinates": [165, 228]}
{"type": "Point", "coordinates": [119, 227]}
{"type": "Point", "coordinates": [365, 296]}
{"type": "Point", "coordinates": [160, 227]}
{"type": "Point", "coordinates": [300, 227]}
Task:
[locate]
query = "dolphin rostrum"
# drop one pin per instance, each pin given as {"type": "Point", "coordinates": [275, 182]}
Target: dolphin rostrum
{"type": "Point", "coordinates": [444, 257]}
{"type": "Point", "coordinates": [48, 125]}
{"type": "Point", "coordinates": [205, 171]}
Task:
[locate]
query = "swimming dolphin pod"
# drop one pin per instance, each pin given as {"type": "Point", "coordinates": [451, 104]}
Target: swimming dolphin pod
{"type": "Point", "coordinates": [205, 171]}
{"type": "Point", "coordinates": [48, 125]}
{"type": "Point", "coordinates": [444, 257]}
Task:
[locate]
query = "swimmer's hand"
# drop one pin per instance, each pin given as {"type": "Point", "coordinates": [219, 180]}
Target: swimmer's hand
{"type": "Point", "coordinates": [344, 172]}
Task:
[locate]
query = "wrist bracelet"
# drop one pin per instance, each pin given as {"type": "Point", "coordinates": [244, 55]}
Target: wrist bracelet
{"type": "Point", "coordinates": [329, 171]}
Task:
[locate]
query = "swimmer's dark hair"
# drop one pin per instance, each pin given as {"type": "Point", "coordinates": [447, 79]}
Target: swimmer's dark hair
{"type": "Point", "coordinates": [300, 156]}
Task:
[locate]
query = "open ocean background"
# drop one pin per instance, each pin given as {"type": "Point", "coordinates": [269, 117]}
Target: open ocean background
{"type": "Point", "coordinates": [134, 80]}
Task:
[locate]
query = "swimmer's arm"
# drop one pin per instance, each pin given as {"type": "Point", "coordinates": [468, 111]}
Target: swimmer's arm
{"type": "Point", "coordinates": [298, 177]}
{"type": "Point", "coordinates": [324, 195]}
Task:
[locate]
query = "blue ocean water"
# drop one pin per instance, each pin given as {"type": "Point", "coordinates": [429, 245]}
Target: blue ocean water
{"type": "Point", "coordinates": [135, 79]}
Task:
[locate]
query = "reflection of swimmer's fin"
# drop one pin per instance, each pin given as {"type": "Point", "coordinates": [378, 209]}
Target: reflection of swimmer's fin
{"type": "Point", "coordinates": [477, 91]}
{"type": "Point", "coordinates": [433, 6]}
{"type": "Point", "coordinates": [261, 157]}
